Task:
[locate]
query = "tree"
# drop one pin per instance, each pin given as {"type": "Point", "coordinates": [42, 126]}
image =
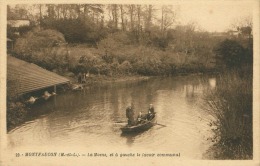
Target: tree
{"type": "Point", "coordinates": [114, 11]}
{"type": "Point", "coordinates": [148, 15]}
{"type": "Point", "coordinates": [168, 17]}
{"type": "Point", "coordinates": [131, 11]}
{"type": "Point", "coordinates": [122, 17]}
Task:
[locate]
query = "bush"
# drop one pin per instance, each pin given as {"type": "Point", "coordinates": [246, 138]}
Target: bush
{"type": "Point", "coordinates": [40, 47]}
{"type": "Point", "coordinates": [231, 53]}
{"type": "Point", "coordinates": [37, 40]}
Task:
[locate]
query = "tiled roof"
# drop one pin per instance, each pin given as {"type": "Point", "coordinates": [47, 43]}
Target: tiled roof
{"type": "Point", "coordinates": [24, 77]}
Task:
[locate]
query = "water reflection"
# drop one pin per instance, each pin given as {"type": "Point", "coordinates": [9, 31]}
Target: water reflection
{"type": "Point", "coordinates": [130, 138]}
{"type": "Point", "coordinates": [87, 118]}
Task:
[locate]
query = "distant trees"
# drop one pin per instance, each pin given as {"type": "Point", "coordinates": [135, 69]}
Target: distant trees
{"type": "Point", "coordinates": [18, 12]}
{"type": "Point", "coordinates": [87, 23]}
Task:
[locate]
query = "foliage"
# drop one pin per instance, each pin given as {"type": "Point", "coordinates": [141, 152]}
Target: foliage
{"type": "Point", "coordinates": [38, 46]}
{"type": "Point", "coordinates": [231, 53]}
{"type": "Point", "coordinates": [16, 113]}
{"type": "Point", "coordinates": [38, 40]}
{"type": "Point", "coordinates": [76, 30]}
{"type": "Point", "coordinates": [111, 44]}
{"type": "Point", "coordinates": [231, 108]}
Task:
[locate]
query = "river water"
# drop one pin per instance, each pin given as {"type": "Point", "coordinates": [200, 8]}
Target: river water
{"type": "Point", "coordinates": [88, 119]}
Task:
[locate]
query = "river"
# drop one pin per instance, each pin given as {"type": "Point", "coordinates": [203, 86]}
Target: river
{"type": "Point", "coordinates": [88, 118]}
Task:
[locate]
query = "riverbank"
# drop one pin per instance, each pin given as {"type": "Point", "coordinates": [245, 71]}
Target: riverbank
{"type": "Point", "coordinates": [101, 79]}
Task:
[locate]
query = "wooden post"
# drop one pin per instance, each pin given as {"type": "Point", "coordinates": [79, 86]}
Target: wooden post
{"type": "Point", "coordinates": [55, 89]}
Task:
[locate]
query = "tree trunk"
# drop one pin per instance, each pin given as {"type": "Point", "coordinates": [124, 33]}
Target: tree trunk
{"type": "Point", "coordinates": [162, 21]}
{"type": "Point", "coordinates": [40, 6]}
{"type": "Point", "coordinates": [85, 11]}
{"type": "Point", "coordinates": [131, 11]}
{"type": "Point", "coordinates": [138, 21]}
{"type": "Point", "coordinates": [115, 16]}
{"type": "Point", "coordinates": [122, 18]}
{"type": "Point", "coordinates": [149, 18]}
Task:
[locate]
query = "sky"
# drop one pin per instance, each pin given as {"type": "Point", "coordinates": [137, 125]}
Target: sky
{"type": "Point", "coordinates": [215, 16]}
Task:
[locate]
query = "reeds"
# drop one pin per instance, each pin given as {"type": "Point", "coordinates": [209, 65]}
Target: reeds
{"type": "Point", "coordinates": [231, 106]}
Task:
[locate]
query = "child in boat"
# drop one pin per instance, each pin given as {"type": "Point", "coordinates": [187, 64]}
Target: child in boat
{"type": "Point", "coordinates": [141, 118]}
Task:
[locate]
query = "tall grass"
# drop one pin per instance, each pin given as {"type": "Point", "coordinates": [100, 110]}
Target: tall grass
{"type": "Point", "coordinates": [231, 106]}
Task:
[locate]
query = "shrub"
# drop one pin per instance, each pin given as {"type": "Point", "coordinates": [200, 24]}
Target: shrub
{"type": "Point", "coordinates": [231, 53]}
{"type": "Point", "coordinates": [37, 40]}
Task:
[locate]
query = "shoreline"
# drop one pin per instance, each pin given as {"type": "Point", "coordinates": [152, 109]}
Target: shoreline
{"type": "Point", "coordinates": [103, 79]}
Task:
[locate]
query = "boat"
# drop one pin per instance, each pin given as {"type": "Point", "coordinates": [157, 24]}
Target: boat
{"type": "Point", "coordinates": [144, 125]}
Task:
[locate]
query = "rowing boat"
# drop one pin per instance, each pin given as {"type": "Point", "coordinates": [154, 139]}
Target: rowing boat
{"type": "Point", "coordinates": [144, 125]}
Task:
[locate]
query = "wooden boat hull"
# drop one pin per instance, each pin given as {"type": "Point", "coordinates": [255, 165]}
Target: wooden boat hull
{"type": "Point", "coordinates": [140, 127]}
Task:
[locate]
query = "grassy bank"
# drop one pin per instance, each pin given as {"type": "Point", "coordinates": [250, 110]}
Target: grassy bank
{"type": "Point", "coordinates": [231, 106]}
{"type": "Point", "coordinates": [117, 54]}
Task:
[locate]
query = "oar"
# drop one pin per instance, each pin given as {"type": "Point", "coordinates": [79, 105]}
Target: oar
{"type": "Point", "coordinates": [160, 124]}
{"type": "Point", "coordinates": [145, 121]}
{"type": "Point", "coordinates": [121, 122]}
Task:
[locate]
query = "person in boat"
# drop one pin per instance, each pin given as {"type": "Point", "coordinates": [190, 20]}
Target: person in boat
{"type": "Point", "coordinates": [140, 118]}
{"type": "Point", "coordinates": [130, 115]}
{"type": "Point", "coordinates": [151, 112]}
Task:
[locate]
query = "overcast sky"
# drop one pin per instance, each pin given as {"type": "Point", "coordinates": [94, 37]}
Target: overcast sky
{"type": "Point", "coordinates": [215, 16]}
